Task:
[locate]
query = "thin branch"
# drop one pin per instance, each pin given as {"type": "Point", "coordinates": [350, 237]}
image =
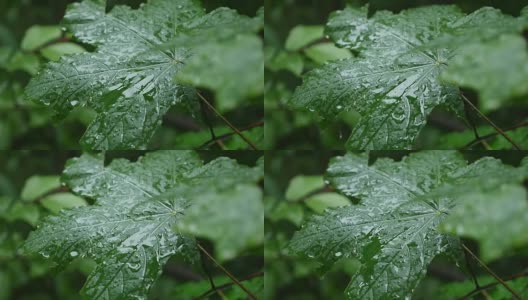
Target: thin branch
{"type": "Point", "coordinates": [487, 136]}
{"type": "Point", "coordinates": [493, 284]}
{"type": "Point", "coordinates": [226, 121]}
{"type": "Point", "coordinates": [223, 137]}
{"type": "Point", "coordinates": [206, 270]}
{"type": "Point", "coordinates": [470, 269]}
{"type": "Point", "coordinates": [473, 126]}
{"type": "Point", "coordinates": [500, 280]}
{"type": "Point", "coordinates": [205, 116]}
{"type": "Point", "coordinates": [227, 285]}
{"type": "Point", "coordinates": [500, 131]}
{"type": "Point", "coordinates": [233, 278]}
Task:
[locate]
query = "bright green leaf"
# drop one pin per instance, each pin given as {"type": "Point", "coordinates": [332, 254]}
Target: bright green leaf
{"type": "Point", "coordinates": [303, 35]}
{"type": "Point", "coordinates": [39, 185]}
{"type": "Point", "coordinates": [322, 53]}
{"type": "Point", "coordinates": [38, 35]}
{"type": "Point", "coordinates": [320, 202]}
{"type": "Point", "coordinates": [303, 185]}
{"type": "Point", "coordinates": [56, 202]}
{"type": "Point", "coordinates": [55, 51]}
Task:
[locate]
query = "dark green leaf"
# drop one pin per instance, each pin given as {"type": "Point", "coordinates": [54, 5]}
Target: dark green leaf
{"type": "Point", "coordinates": [393, 231]}
{"type": "Point", "coordinates": [129, 231]}
{"type": "Point", "coordinates": [394, 82]}
{"type": "Point", "coordinates": [129, 79]}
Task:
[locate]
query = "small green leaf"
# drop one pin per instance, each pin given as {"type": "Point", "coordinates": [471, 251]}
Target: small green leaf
{"type": "Point", "coordinates": [39, 185]}
{"type": "Point", "coordinates": [303, 185]}
{"type": "Point", "coordinates": [322, 53]}
{"type": "Point", "coordinates": [38, 35]}
{"type": "Point", "coordinates": [320, 202]}
{"type": "Point", "coordinates": [303, 35]}
{"type": "Point", "coordinates": [55, 51]}
{"type": "Point", "coordinates": [56, 202]}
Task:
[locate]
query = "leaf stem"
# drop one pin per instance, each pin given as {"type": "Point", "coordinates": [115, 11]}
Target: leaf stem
{"type": "Point", "coordinates": [500, 131]}
{"type": "Point", "coordinates": [499, 280]}
{"type": "Point", "coordinates": [233, 278]}
{"type": "Point", "coordinates": [226, 121]}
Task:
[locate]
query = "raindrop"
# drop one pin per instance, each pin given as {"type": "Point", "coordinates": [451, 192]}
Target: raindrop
{"type": "Point", "coordinates": [134, 267]}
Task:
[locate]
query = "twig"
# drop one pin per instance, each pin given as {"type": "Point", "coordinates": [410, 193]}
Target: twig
{"type": "Point", "coordinates": [226, 121]}
{"type": "Point", "coordinates": [500, 131]}
{"type": "Point", "coordinates": [205, 116]}
{"type": "Point", "coordinates": [493, 284]}
{"type": "Point", "coordinates": [473, 126]}
{"type": "Point", "coordinates": [207, 272]}
{"type": "Point", "coordinates": [233, 278]}
{"type": "Point", "coordinates": [487, 136]}
{"type": "Point", "coordinates": [500, 280]}
{"type": "Point", "coordinates": [229, 284]}
{"type": "Point", "coordinates": [227, 135]}
{"type": "Point", "coordinates": [470, 269]}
